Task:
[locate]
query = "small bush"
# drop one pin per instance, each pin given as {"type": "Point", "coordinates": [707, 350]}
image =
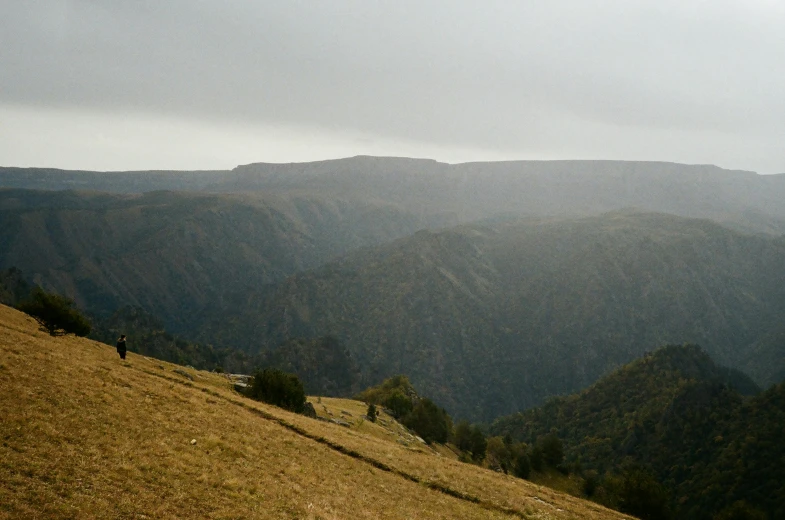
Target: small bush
{"type": "Point", "coordinates": [371, 413]}
{"type": "Point", "coordinates": [56, 314]}
{"type": "Point", "coordinates": [278, 388]}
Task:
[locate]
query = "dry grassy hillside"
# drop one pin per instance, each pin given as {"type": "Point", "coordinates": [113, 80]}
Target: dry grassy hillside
{"type": "Point", "coordinates": [86, 435]}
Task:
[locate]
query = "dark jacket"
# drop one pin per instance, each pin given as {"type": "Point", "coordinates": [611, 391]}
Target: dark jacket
{"type": "Point", "coordinates": [120, 345]}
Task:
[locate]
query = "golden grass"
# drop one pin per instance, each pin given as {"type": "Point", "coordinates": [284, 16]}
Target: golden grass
{"type": "Point", "coordinates": [86, 435]}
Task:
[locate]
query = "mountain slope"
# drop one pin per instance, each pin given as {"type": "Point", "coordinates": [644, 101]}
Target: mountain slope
{"type": "Point", "coordinates": [674, 413]}
{"type": "Point", "coordinates": [85, 435]}
{"type": "Point", "coordinates": [492, 319]}
{"type": "Point", "coordinates": [175, 254]}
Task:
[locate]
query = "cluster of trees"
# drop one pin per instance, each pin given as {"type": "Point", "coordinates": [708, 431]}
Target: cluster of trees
{"type": "Point", "coordinates": [56, 314]}
{"type": "Point", "coordinates": [506, 455]}
{"type": "Point", "coordinates": [433, 424]}
{"type": "Point", "coordinates": [671, 435]}
{"type": "Point", "coordinates": [417, 413]}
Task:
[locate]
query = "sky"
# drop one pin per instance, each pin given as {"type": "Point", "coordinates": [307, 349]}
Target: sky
{"type": "Point", "coordinates": [207, 84]}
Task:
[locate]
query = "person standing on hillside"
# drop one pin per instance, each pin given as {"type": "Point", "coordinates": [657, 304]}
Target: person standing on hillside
{"type": "Point", "coordinates": [121, 346]}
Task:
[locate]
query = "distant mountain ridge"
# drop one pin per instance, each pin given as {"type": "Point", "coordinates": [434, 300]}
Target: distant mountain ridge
{"type": "Point", "coordinates": [472, 191]}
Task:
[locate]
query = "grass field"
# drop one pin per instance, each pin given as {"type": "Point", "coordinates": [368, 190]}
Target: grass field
{"type": "Point", "coordinates": [86, 435]}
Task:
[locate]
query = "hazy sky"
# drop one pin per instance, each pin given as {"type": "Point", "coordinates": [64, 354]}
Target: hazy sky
{"type": "Point", "coordinates": [119, 84]}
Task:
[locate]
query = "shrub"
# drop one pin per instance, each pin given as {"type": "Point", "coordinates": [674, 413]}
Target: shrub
{"type": "Point", "coordinates": [56, 314]}
{"type": "Point", "coordinates": [278, 388]}
{"type": "Point", "coordinates": [371, 413]}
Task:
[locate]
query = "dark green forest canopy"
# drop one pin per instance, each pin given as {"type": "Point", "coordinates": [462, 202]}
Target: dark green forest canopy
{"type": "Point", "coordinates": [680, 416]}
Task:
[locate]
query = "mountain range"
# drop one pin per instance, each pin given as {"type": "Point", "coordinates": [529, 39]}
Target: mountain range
{"type": "Point", "coordinates": [492, 285]}
{"type": "Point", "coordinates": [466, 192]}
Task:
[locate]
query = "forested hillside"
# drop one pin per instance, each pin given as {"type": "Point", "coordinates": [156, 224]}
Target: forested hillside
{"type": "Point", "coordinates": [176, 254]}
{"type": "Point", "coordinates": [493, 319]}
{"type": "Point", "coordinates": [682, 418]}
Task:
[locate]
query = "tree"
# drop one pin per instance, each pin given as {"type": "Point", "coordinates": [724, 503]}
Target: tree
{"type": "Point", "coordinates": [478, 444]}
{"type": "Point", "coordinates": [536, 458]}
{"type": "Point", "coordinates": [56, 314]}
{"type": "Point", "coordinates": [399, 404]}
{"type": "Point", "coordinates": [498, 454]}
{"type": "Point", "coordinates": [591, 480]}
{"type": "Point", "coordinates": [429, 421]}
{"type": "Point", "coordinates": [278, 388]}
{"type": "Point", "coordinates": [552, 450]}
{"type": "Point", "coordinates": [469, 439]}
{"type": "Point", "coordinates": [523, 466]}
{"type": "Point", "coordinates": [371, 413]}
{"type": "Point", "coordinates": [642, 496]}
{"type": "Point", "coordinates": [462, 436]}
{"type": "Point", "coordinates": [740, 510]}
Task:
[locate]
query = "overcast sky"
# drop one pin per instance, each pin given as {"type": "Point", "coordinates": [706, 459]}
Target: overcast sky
{"type": "Point", "coordinates": [199, 84]}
